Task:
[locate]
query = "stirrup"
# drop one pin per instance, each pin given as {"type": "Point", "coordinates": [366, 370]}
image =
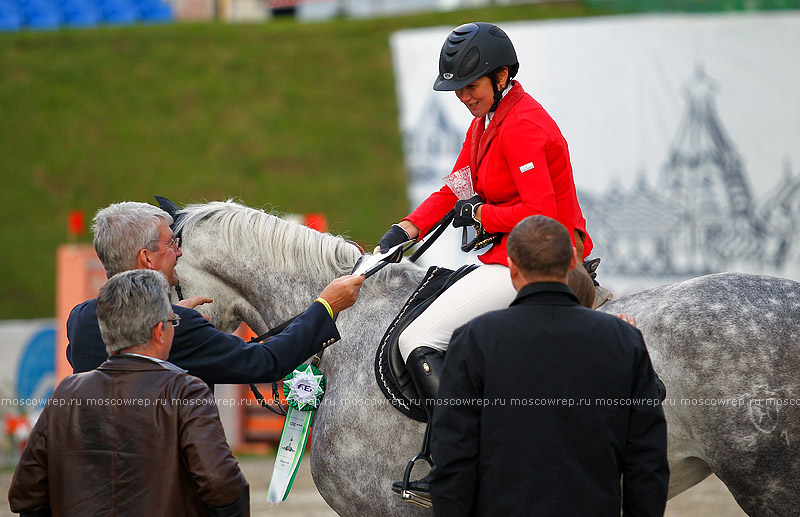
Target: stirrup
{"type": "Point", "coordinates": [420, 499]}
{"type": "Point", "coordinates": [407, 494]}
{"type": "Point", "coordinates": [417, 498]}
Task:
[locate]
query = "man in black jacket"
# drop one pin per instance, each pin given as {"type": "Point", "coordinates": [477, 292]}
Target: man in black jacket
{"type": "Point", "coordinates": [133, 235]}
{"type": "Point", "coordinates": [546, 406]}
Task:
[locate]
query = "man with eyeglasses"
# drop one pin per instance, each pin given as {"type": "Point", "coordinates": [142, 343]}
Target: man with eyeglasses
{"type": "Point", "coordinates": [132, 235]}
{"type": "Point", "coordinates": [107, 435]}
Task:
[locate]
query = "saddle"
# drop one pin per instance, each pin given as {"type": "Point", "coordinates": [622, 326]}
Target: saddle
{"type": "Point", "coordinates": [390, 369]}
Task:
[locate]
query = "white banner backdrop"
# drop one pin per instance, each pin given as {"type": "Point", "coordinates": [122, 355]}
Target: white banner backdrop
{"type": "Point", "coordinates": [684, 133]}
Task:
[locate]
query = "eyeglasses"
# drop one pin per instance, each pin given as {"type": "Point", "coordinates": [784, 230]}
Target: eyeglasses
{"type": "Point", "coordinates": [175, 320]}
{"type": "Point", "coordinates": [174, 242]}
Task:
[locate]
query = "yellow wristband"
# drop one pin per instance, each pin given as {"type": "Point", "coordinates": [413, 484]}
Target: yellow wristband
{"type": "Point", "coordinates": [326, 304]}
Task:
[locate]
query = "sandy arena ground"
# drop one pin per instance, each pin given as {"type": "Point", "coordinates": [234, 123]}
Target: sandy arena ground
{"type": "Point", "coordinates": [709, 498]}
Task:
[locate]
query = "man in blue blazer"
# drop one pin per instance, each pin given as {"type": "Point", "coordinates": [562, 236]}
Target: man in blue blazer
{"type": "Point", "coordinates": [132, 235]}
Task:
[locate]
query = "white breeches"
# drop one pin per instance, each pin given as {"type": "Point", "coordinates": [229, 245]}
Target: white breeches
{"type": "Point", "coordinates": [486, 289]}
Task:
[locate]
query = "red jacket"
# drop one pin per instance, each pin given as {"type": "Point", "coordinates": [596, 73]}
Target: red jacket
{"type": "Point", "coordinates": [520, 167]}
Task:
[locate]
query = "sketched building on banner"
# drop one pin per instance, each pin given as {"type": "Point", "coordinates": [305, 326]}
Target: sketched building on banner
{"type": "Point", "coordinates": [637, 228]}
{"type": "Point", "coordinates": [703, 217]}
{"type": "Point", "coordinates": [432, 144]}
{"type": "Point", "coordinates": [780, 210]}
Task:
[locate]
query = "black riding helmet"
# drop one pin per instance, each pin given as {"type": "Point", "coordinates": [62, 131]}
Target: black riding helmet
{"type": "Point", "coordinates": [472, 51]}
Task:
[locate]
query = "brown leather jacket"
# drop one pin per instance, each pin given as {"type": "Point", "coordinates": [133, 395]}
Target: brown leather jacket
{"type": "Point", "coordinates": [130, 438]}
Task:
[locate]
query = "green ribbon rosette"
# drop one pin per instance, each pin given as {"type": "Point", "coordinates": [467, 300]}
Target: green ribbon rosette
{"type": "Point", "coordinates": [304, 389]}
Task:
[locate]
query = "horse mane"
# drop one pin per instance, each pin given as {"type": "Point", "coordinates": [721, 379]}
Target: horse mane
{"type": "Point", "coordinates": [298, 249]}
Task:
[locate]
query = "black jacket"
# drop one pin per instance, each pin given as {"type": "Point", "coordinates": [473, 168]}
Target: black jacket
{"type": "Point", "coordinates": [207, 353]}
{"type": "Point", "coordinates": [543, 408]}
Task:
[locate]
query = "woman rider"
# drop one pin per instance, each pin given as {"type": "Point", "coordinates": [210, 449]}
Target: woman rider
{"type": "Point", "coordinates": [520, 166]}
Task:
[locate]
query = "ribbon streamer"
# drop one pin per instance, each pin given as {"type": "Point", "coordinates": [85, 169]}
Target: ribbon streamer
{"type": "Point", "coordinates": [304, 389]}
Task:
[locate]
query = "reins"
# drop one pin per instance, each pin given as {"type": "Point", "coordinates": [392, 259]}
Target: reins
{"type": "Point", "coordinates": [434, 233]}
{"type": "Point", "coordinates": [281, 410]}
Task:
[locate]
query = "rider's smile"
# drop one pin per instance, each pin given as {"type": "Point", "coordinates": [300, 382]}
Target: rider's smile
{"type": "Point", "coordinates": [477, 96]}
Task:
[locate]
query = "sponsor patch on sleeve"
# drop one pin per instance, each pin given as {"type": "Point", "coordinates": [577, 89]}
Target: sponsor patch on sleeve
{"type": "Point", "coordinates": [524, 168]}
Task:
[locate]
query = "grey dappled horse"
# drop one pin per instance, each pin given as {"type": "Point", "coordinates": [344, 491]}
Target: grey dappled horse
{"type": "Point", "coordinates": [725, 345]}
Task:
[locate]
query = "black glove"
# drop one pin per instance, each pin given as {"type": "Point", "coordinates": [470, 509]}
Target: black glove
{"type": "Point", "coordinates": [396, 235]}
{"type": "Point", "coordinates": [465, 211]}
{"type": "Point", "coordinates": [591, 268]}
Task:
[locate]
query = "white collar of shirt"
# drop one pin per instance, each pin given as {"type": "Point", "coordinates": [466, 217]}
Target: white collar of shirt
{"type": "Point", "coordinates": [491, 113]}
{"type": "Point", "coordinates": [166, 364]}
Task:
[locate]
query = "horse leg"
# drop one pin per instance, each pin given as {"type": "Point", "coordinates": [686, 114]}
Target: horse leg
{"type": "Point", "coordinates": [358, 448]}
{"type": "Point", "coordinates": [753, 449]}
{"type": "Point", "coordinates": [687, 467]}
{"type": "Point", "coordinates": [685, 474]}
{"type": "Point", "coordinates": [763, 481]}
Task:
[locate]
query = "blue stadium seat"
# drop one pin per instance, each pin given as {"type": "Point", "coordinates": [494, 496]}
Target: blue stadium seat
{"type": "Point", "coordinates": [79, 13]}
{"type": "Point", "coordinates": [154, 11]}
{"type": "Point", "coordinates": [118, 12]}
{"type": "Point", "coordinates": [40, 14]}
{"type": "Point", "coordinates": [11, 18]}
{"type": "Point", "coordinates": [51, 14]}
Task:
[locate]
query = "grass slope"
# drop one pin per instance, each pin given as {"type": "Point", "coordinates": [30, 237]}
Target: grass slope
{"type": "Point", "coordinates": [295, 117]}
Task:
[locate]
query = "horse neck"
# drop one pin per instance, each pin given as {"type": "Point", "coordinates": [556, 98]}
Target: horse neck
{"type": "Point", "coordinates": [275, 268]}
{"type": "Point", "coordinates": [293, 269]}
{"type": "Point", "coordinates": [283, 294]}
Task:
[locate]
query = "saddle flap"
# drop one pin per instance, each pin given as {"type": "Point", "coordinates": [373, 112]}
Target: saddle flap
{"type": "Point", "coordinates": [390, 369]}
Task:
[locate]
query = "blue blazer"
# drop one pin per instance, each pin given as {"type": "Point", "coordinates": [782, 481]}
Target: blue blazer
{"type": "Point", "coordinates": [207, 353]}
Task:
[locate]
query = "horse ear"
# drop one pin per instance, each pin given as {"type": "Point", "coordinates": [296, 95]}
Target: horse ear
{"type": "Point", "coordinates": [172, 209]}
{"type": "Point", "coordinates": [167, 206]}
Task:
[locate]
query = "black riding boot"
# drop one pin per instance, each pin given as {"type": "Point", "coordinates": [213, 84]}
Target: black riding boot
{"type": "Point", "coordinates": [424, 366]}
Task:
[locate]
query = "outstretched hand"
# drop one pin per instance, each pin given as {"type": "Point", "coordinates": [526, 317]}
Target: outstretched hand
{"type": "Point", "coordinates": [342, 292]}
{"type": "Point", "coordinates": [194, 301]}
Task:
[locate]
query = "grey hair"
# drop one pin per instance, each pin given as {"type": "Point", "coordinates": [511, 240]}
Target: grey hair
{"type": "Point", "coordinates": [123, 229]}
{"type": "Point", "coordinates": [129, 305]}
